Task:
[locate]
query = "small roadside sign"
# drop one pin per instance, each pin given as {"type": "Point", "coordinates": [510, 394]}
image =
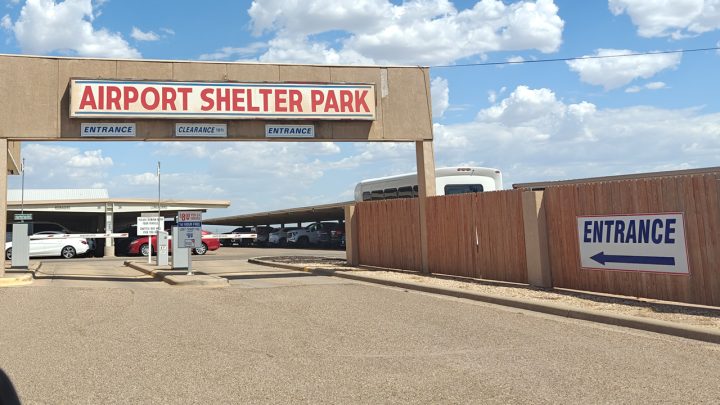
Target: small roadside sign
{"type": "Point", "coordinates": [634, 242]}
{"type": "Point", "coordinates": [23, 217]}
{"type": "Point", "coordinates": [147, 226]}
{"type": "Point", "coordinates": [289, 131]}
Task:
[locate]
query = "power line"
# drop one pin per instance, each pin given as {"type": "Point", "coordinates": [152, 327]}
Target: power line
{"type": "Point", "coordinates": [715, 48]}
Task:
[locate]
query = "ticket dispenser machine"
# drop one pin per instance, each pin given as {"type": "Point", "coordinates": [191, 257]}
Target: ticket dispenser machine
{"type": "Point", "coordinates": [20, 246]}
{"type": "Point", "coordinates": [180, 255]}
{"type": "Point", "coordinates": [162, 253]}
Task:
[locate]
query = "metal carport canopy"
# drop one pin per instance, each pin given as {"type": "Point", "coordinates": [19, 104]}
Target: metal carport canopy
{"type": "Point", "coordinates": [325, 212]}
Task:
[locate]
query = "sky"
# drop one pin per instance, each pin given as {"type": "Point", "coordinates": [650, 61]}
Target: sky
{"type": "Point", "coordinates": [533, 121]}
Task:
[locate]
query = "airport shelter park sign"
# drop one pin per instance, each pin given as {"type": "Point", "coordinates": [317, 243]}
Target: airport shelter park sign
{"type": "Point", "coordinates": [221, 100]}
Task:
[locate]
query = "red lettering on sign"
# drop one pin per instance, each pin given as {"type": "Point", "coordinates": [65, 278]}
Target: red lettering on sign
{"type": "Point", "coordinates": [184, 91]}
{"type": "Point", "coordinates": [130, 95]}
{"type": "Point", "coordinates": [222, 97]}
{"type": "Point", "coordinates": [208, 103]}
{"type": "Point", "coordinates": [88, 99]}
{"type": "Point", "coordinates": [346, 101]}
{"type": "Point", "coordinates": [113, 97]}
{"type": "Point", "coordinates": [101, 97]}
{"type": "Point", "coordinates": [331, 102]}
{"type": "Point", "coordinates": [144, 98]}
{"type": "Point", "coordinates": [168, 98]}
{"type": "Point", "coordinates": [280, 100]}
{"type": "Point", "coordinates": [250, 106]}
{"type": "Point", "coordinates": [266, 99]}
{"type": "Point", "coordinates": [360, 100]}
{"type": "Point", "coordinates": [316, 98]}
{"type": "Point", "coordinates": [295, 101]}
{"type": "Point", "coordinates": [237, 99]}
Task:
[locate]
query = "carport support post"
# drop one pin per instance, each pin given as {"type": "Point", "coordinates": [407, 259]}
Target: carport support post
{"type": "Point", "coordinates": [3, 198]}
{"type": "Point", "coordinates": [426, 188]}
{"type": "Point", "coordinates": [351, 236]}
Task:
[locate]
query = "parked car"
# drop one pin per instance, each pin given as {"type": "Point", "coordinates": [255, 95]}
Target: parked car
{"type": "Point", "coordinates": [53, 243]}
{"type": "Point", "coordinates": [139, 246]}
{"type": "Point", "coordinates": [35, 227]}
{"type": "Point", "coordinates": [263, 235]}
{"type": "Point", "coordinates": [337, 236]}
{"type": "Point", "coordinates": [239, 241]}
{"type": "Point", "coordinates": [279, 237]}
{"type": "Point", "coordinates": [317, 233]}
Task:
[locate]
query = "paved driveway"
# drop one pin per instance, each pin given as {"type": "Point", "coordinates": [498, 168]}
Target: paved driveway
{"type": "Point", "coordinates": [276, 336]}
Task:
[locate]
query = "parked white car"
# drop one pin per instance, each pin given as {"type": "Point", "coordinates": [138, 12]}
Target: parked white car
{"type": "Point", "coordinates": [51, 244]}
{"type": "Point", "coordinates": [279, 237]}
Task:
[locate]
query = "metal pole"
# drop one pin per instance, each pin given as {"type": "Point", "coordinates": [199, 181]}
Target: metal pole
{"type": "Point", "coordinates": [161, 225]}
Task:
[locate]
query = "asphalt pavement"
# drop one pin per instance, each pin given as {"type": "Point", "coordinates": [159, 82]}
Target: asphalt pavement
{"type": "Point", "coordinates": [98, 332]}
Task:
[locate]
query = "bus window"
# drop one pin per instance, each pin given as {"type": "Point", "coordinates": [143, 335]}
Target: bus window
{"type": "Point", "coordinates": [377, 195]}
{"type": "Point", "coordinates": [405, 192]}
{"type": "Point", "coordinates": [366, 196]}
{"type": "Point", "coordinates": [390, 193]}
{"type": "Point", "coordinates": [451, 189]}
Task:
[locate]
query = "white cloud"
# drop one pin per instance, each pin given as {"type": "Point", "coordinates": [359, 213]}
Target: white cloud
{"type": "Point", "coordinates": [614, 72]}
{"type": "Point", "coordinates": [229, 52]}
{"type": "Point", "coordinates": [440, 94]}
{"type": "Point", "coordinates": [533, 135]}
{"type": "Point", "coordinates": [142, 179]}
{"type": "Point", "coordinates": [674, 18]}
{"type": "Point", "coordinates": [633, 89]}
{"type": "Point", "coordinates": [655, 86]}
{"type": "Point", "coordinates": [6, 22]}
{"type": "Point", "coordinates": [414, 32]}
{"type": "Point", "coordinates": [47, 166]}
{"type": "Point", "coordinates": [45, 26]}
{"type": "Point", "coordinates": [140, 35]}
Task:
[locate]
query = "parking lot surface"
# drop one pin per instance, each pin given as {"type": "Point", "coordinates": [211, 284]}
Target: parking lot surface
{"type": "Point", "coordinates": [90, 332]}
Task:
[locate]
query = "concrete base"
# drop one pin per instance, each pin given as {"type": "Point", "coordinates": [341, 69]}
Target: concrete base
{"type": "Point", "coordinates": [109, 251]}
{"type": "Point", "coordinates": [23, 279]}
{"type": "Point", "coordinates": [178, 277]}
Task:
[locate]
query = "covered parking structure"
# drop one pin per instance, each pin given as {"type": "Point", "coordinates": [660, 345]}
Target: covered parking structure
{"type": "Point", "coordinates": [294, 216]}
{"type": "Point", "coordinates": [93, 211]}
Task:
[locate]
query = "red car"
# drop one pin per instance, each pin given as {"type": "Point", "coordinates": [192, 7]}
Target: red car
{"type": "Point", "coordinates": [140, 245]}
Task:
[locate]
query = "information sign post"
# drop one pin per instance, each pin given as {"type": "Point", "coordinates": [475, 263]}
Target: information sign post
{"type": "Point", "coordinates": [148, 225]}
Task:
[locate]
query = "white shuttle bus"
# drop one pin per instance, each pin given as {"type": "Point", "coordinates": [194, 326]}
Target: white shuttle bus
{"type": "Point", "coordinates": [448, 180]}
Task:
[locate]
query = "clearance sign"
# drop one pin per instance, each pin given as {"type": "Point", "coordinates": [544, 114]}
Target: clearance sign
{"type": "Point", "coordinates": [146, 99]}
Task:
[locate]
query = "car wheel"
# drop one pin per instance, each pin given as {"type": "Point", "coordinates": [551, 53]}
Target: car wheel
{"type": "Point", "coordinates": [68, 252]}
{"type": "Point", "coordinates": [201, 250]}
{"type": "Point", "coordinates": [8, 253]}
{"type": "Point", "coordinates": [144, 249]}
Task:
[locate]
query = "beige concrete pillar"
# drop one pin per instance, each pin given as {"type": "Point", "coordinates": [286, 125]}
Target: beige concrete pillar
{"type": "Point", "coordinates": [3, 198]}
{"type": "Point", "coordinates": [426, 188]}
{"type": "Point", "coordinates": [352, 254]}
{"type": "Point", "coordinates": [536, 241]}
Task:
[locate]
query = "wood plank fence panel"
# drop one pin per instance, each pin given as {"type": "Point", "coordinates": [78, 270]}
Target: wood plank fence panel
{"type": "Point", "coordinates": [696, 196]}
{"type": "Point", "coordinates": [388, 233]}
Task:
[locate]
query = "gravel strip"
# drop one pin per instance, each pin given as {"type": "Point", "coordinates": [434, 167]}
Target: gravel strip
{"type": "Point", "coordinates": [680, 313]}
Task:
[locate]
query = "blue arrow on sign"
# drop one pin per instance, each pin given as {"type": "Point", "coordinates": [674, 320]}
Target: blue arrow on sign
{"type": "Point", "coordinates": [602, 258]}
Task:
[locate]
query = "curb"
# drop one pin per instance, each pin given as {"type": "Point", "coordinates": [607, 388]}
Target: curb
{"type": "Point", "coordinates": [650, 325]}
{"type": "Point", "coordinates": [179, 277]}
{"type": "Point", "coordinates": [23, 279]}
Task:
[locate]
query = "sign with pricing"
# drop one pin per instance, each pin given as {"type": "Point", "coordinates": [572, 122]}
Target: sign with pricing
{"type": "Point", "coordinates": [190, 229]}
{"type": "Point", "coordinates": [634, 242]}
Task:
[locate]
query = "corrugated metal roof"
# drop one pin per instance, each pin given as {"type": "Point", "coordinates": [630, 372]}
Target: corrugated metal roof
{"type": "Point", "coordinates": [59, 194]}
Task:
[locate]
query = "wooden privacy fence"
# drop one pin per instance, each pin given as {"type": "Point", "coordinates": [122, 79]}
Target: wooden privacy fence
{"type": "Point", "coordinates": [471, 235]}
{"type": "Point", "coordinates": [697, 197]}
{"type": "Point", "coordinates": [533, 237]}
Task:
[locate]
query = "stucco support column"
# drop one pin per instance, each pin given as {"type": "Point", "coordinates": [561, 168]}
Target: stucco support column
{"type": "Point", "coordinates": [426, 188]}
{"type": "Point", "coordinates": [351, 236]}
{"type": "Point", "coordinates": [3, 198]}
{"type": "Point", "coordinates": [109, 250]}
{"type": "Point", "coordinates": [536, 243]}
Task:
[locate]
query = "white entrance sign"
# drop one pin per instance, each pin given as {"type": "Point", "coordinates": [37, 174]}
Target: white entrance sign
{"type": "Point", "coordinates": [201, 130]}
{"type": "Point", "coordinates": [634, 242]}
{"type": "Point", "coordinates": [147, 226]}
{"type": "Point", "coordinates": [156, 99]}
{"type": "Point", "coordinates": [102, 130]}
{"type": "Point", "coordinates": [289, 131]}
{"type": "Point", "coordinates": [189, 226]}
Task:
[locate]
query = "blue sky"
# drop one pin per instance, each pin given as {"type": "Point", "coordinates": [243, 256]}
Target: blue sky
{"type": "Point", "coordinates": [534, 121]}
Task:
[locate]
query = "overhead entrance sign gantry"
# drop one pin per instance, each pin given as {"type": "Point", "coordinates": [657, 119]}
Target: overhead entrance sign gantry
{"type": "Point", "coordinates": [53, 98]}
